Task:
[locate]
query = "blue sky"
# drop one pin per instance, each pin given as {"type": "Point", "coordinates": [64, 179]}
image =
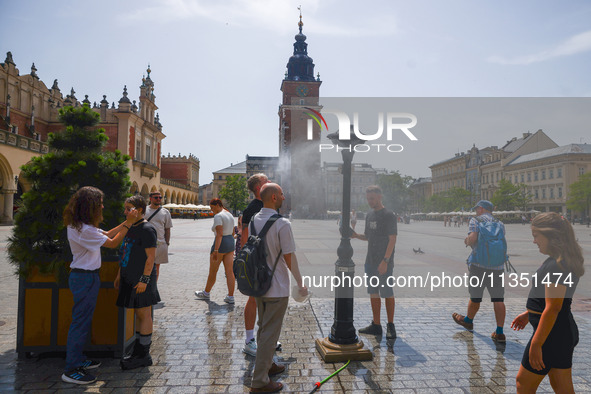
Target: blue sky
{"type": "Point", "coordinates": [218, 65]}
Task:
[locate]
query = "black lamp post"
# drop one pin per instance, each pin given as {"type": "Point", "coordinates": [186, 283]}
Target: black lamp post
{"type": "Point", "coordinates": [343, 344]}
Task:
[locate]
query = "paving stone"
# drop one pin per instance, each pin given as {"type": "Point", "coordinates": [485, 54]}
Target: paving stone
{"type": "Point", "coordinates": [197, 345]}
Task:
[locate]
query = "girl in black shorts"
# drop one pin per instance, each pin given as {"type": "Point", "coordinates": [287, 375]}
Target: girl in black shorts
{"type": "Point", "coordinates": [550, 349]}
{"type": "Point", "coordinates": [136, 280]}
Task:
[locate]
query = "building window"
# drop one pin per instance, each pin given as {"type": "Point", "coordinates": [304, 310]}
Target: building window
{"type": "Point", "coordinates": [535, 175]}
{"type": "Point", "coordinates": [14, 130]}
{"type": "Point", "coordinates": [543, 174]}
{"type": "Point", "coordinates": [515, 179]}
{"type": "Point", "coordinates": [543, 194]}
{"type": "Point", "coordinates": [581, 170]}
{"type": "Point", "coordinates": [537, 194]}
{"type": "Point", "coordinates": [522, 176]}
{"type": "Point", "coordinates": [138, 150]}
{"type": "Point", "coordinates": [529, 176]}
{"type": "Point", "coordinates": [559, 192]}
{"type": "Point", "coordinates": [551, 173]}
{"type": "Point", "coordinates": [559, 173]}
{"type": "Point", "coordinates": [148, 155]}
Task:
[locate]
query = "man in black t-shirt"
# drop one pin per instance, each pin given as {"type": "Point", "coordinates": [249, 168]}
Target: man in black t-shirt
{"type": "Point", "coordinates": [254, 184]}
{"type": "Point", "coordinates": [380, 232]}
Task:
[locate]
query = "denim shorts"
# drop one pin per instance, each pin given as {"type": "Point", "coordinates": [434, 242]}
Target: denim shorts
{"type": "Point", "coordinates": [226, 246]}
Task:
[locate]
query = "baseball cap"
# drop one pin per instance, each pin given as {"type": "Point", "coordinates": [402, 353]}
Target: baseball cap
{"type": "Point", "coordinates": [484, 204]}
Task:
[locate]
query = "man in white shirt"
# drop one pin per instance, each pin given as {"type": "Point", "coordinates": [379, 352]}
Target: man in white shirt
{"type": "Point", "coordinates": [273, 305]}
{"type": "Point", "coordinates": [160, 218]}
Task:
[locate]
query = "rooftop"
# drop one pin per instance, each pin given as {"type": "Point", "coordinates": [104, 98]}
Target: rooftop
{"type": "Point", "coordinates": [561, 150]}
{"type": "Point", "coordinates": [239, 168]}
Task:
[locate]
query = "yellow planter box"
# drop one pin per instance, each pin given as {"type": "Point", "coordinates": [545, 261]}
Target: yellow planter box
{"type": "Point", "coordinates": [45, 314]}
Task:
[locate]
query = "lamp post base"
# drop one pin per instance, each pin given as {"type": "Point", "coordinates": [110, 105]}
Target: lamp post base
{"type": "Point", "coordinates": [332, 352]}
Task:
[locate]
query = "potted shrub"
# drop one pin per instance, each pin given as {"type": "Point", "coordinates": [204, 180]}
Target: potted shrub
{"type": "Point", "coordinates": [38, 247]}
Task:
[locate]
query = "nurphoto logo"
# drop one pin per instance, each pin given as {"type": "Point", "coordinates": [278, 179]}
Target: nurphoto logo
{"type": "Point", "coordinates": [393, 121]}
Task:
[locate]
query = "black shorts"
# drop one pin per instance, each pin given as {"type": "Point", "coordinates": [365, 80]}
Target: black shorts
{"type": "Point", "coordinates": [226, 246]}
{"type": "Point", "coordinates": [493, 283]}
{"type": "Point", "coordinates": [557, 351]}
{"type": "Point", "coordinates": [382, 287]}
{"type": "Point", "coordinates": [128, 298]}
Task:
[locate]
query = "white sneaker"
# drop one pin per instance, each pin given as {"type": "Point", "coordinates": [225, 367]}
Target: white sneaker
{"type": "Point", "coordinates": [202, 295]}
{"type": "Point", "coordinates": [229, 299]}
{"type": "Point", "coordinates": [250, 348]}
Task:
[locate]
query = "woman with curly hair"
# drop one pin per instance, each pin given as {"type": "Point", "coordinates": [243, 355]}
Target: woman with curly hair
{"type": "Point", "coordinates": [82, 216]}
{"type": "Point", "coordinates": [550, 349]}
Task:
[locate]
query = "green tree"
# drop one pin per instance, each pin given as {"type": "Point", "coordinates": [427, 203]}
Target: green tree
{"type": "Point", "coordinates": [459, 199]}
{"type": "Point", "coordinates": [235, 192]}
{"type": "Point", "coordinates": [76, 159]}
{"type": "Point", "coordinates": [579, 195]}
{"type": "Point", "coordinates": [522, 197]}
{"type": "Point", "coordinates": [509, 196]}
{"type": "Point", "coordinates": [395, 189]}
{"type": "Point", "coordinates": [505, 197]}
{"type": "Point", "coordinates": [454, 199]}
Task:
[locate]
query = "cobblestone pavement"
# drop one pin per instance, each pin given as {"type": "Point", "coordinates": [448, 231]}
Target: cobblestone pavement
{"type": "Point", "coordinates": [197, 344]}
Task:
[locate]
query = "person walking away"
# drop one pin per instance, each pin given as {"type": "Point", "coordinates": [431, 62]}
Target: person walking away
{"type": "Point", "coordinates": [254, 183]}
{"type": "Point", "coordinates": [222, 250]}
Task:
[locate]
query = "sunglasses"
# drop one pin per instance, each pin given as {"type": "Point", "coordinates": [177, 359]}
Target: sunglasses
{"type": "Point", "coordinates": [157, 197]}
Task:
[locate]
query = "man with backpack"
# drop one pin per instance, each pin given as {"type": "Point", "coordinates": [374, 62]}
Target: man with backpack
{"type": "Point", "coordinates": [486, 265]}
{"type": "Point", "coordinates": [254, 183]}
{"type": "Point", "coordinates": [280, 247]}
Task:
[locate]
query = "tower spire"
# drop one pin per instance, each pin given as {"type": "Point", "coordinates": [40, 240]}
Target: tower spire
{"type": "Point", "coordinates": [300, 66]}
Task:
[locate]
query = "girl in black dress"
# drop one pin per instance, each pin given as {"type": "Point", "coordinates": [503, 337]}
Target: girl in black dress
{"type": "Point", "coordinates": [136, 280]}
{"type": "Point", "coordinates": [550, 349]}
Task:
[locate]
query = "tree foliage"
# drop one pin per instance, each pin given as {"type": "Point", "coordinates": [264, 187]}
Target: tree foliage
{"type": "Point", "coordinates": [509, 196]}
{"type": "Point", "coordinates": [39, 239]}
{"type": "Point", "coordinates": [396, 192]}
{"type": "Point", "coordinates": [579, 195]}
{"type": "Point", "coordinates": [235, 192]}
{"type": "Point", "coordinates": [454, 199]}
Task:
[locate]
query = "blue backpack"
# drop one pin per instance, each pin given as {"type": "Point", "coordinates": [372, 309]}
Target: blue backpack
{"type": "Point", "coordinates": [491, 248]}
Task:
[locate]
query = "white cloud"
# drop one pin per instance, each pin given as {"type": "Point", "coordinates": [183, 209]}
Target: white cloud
{"type": "Point", "coordinates": [573, 45]}
{"type": "Point", "coordinates": [273, 15]}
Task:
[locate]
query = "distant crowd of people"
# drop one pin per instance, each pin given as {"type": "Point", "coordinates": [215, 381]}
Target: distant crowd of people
{"type": "Point", "coordinates": [144, 236]}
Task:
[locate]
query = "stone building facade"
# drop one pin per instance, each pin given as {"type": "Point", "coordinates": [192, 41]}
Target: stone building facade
{"type": "Point", "coordinates": [362, 176]}
{"type": "Point", "coordinates": [548, 175]}
{"type": "Point", "coordinates": [29, 112]}
{"type": "Point", "coordinates": [421, 189]}
{"type": "Point", "coordinates": [480, 170]}
{"type": "Point", "coordinates": [535, 160]}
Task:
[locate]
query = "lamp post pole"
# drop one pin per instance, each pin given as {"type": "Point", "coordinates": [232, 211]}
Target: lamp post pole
{"type": "Point", "coordinates": [343, 331]}
{"type": "Point", "coordinates": [343, 344]}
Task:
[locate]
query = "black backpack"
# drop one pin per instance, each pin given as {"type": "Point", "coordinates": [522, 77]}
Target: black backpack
{"type": "Point", "coordinates": [252, 273]}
